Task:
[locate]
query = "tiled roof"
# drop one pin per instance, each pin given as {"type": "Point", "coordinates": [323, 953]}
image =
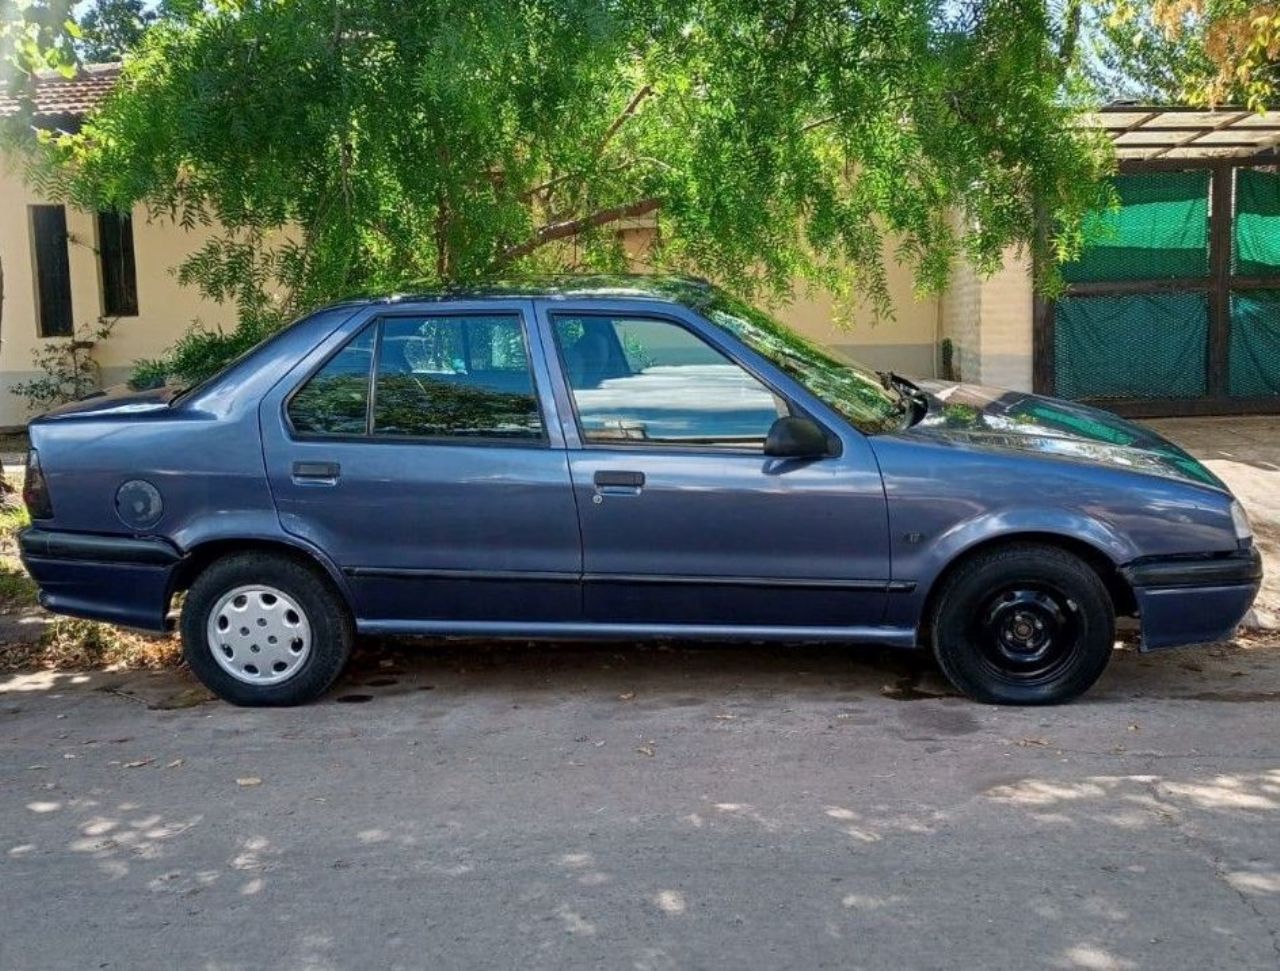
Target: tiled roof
{"type": "Point", "coordinates": [59, 97]}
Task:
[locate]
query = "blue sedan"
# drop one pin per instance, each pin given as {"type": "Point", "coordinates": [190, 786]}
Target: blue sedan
{"type": "Point", "coordinates": [619, 458]}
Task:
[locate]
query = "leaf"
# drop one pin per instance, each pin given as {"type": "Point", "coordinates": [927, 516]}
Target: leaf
{"type": "Point", "coordinates": [626, 696]}
{"type": "Point", "coordinates": [249, 780]}
{"type": "Point", "coordinates": [175, 764]}
{"type": "Point", "coordinates": [646, 749]}
{"type": "Point", "coordinates": [138, 763]}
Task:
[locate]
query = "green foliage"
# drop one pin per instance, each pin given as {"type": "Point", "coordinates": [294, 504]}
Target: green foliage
{"type": "Point", "coordinates": [109, 28]}
{"type": "Point", "coordinates": [35, 35]}
{"type": "Point", "coordinates": [149, 373]}
{"type": "Point", "coordinates": [346, 147]}
{"type": "Point", "coordinates": [69, 371]}
{"type": "Point", "coordinates": [1145, 51]}
{"type": "Point", "coordinates": [201, 353]}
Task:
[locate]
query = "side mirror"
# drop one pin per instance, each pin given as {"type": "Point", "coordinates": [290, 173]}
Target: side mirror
{"type": "Point", "coordinates": [796, 438]}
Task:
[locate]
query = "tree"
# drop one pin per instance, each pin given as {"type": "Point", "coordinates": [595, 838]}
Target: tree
{"type": "Point", "coordinates": [1203, 52]}
{"type": "Point", "coordinates": [344, 146]}
{"type": "Point", "coordinates": [109, 28]}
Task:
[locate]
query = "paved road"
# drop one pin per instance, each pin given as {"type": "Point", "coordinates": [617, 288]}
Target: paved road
{"type": "Point", "coordinates": [587, 806]}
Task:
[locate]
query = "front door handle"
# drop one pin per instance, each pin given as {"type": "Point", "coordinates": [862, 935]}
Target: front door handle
{"type": "Point", "coordinates": [320, 473]}
{"type": "Point", "coordinates": [618, 483]}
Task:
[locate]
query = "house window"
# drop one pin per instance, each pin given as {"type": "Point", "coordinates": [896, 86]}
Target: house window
{"type": "Point", "coordinates": [53, 271]}
{"type": "Point", "coordinates": [119, 274]}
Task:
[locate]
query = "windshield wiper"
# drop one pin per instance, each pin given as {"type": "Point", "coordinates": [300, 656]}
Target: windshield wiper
{"type": "Point", "coordinates": [909, 394]}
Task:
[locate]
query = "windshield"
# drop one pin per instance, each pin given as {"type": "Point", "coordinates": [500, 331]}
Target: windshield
{"type": "Point", "coordinates": [854, 391]}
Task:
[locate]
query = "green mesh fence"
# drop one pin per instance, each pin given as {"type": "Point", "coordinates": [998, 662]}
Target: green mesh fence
{"type": "Point", "coordinates": [1159, 232]}
{"type": "Point", "coordinates": [1253, 361]}
{"type": "Point", "coordinates": [1256, 233]}
{"type": "Point", "coordinates": [1152, 345]}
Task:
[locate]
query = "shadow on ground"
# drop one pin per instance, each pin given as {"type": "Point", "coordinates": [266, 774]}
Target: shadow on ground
{"type": "Point", "coordinates": [1244, 670]}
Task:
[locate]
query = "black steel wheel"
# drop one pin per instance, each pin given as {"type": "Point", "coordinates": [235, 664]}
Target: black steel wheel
{"type": "Point", "coordinates": [1023, 624]}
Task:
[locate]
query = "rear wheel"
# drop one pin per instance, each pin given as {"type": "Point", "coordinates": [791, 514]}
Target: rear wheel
{"type": "Point", "coordinates": [1023, 624]}
{"type": "Point", "coordinates": [264, 629]}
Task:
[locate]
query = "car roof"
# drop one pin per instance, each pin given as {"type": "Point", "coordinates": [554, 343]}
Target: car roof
{"type": "Point", "coordinates": [688, 290]}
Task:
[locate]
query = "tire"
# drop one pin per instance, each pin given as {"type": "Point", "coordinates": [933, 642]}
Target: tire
{"type": "Point", "coordinates": [262, 629]}
{"type": "Point", "coordinates": [1023, 624]}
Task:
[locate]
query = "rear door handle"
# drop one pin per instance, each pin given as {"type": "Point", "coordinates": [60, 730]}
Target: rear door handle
{"type": "Point", "coordinates": [317, 472]}
{"type": "Point", "coordinates": [616, 482]}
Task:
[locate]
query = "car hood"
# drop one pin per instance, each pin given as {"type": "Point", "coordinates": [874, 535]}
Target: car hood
{"type": "Point", "coordinates": [1015, 420]}
{"type": "Point", "coordinates": [117, 400]}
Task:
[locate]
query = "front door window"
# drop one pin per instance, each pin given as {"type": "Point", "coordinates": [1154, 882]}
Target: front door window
{"type": "Point", "coordinates": [643, 380]}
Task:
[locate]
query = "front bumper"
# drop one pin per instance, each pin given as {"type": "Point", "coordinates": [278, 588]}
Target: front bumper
{"type": "Point", "coordinates": [119, 579]}
{"type": "Point", "coordinates": [1193, 599]}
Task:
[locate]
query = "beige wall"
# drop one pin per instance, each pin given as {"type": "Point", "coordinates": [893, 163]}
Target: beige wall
{"type": "Point", "coordinates": [989, 322]}
{"type": "Point", "coordinates": [165, 309]}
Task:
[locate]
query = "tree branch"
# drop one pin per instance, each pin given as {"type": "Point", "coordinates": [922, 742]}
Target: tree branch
{"type": "Point", "coordinates": [1070, 34]}
{"type": "Point", "coordinates": [636, 100]}
{"type": "Point", "coordinates": [572, 227]}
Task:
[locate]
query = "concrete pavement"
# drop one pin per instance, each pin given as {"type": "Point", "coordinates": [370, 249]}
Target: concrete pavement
{"type": "Point", "coordinates": [585, 806]}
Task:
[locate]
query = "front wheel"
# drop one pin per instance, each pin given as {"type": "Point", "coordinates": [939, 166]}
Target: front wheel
{"type": "Point", "coordinates": [263, 629]}
{"type": "Point", "coordinates": [1023, 624]}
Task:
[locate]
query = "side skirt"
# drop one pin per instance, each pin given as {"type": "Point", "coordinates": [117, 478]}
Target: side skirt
{"type": "Point", "coordinates": [878, 636]}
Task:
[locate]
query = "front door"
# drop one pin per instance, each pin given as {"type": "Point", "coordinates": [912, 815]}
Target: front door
{"type": "Point", "coordinates": [684, 519]}
{"type": "Point", "coordinates": [418, 456]}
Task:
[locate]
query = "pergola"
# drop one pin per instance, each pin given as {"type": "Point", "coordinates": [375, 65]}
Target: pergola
{"type": "Point", "coordinates": [1151, 133]}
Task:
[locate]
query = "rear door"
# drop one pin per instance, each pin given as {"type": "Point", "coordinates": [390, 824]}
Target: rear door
{"type": "Point", "coordinates": [684, 519]}
{"type": "Point", "coordinates": [417, 450]}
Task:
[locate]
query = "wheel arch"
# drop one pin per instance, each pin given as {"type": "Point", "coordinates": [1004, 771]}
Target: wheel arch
{"type": "Point", "coordinates": [1122, 595]}
{"type": "Point", "coordinates": [200, 556]}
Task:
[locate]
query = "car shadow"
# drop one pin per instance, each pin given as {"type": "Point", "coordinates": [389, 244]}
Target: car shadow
{"type": "Point", "coordinates": [545, 672]}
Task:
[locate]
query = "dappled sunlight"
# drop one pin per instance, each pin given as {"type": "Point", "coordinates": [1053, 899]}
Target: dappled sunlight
{"type": "Point", "coordinates": [743, 811]}
{"type": "Point", "coordinates": [1228, 792]}
{"type": "Point", "coordinates": [1091, 957]}
{"type": "Point", "coordinates": [868, 902]}
{"type": "Point", "coordinates": [1037, 792]}
{"type": "Point", "coordinates": [574, 923]}
{"type": "Point", "coordinates": [1132, 801]}
{"type": "Point", "coordinates": [1264, 882]}
{"type": "Point", "coordinates": [670, 901]}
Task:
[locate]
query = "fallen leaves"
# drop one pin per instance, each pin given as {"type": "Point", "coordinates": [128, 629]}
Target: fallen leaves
{"type": "Point", "coordinates": [646, 749]}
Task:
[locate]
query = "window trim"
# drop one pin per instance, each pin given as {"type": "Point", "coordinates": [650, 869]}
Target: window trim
{"type": "Point", "coordinates": [654, 446]}
{"type": "Point", "coordinates": [369, 437]}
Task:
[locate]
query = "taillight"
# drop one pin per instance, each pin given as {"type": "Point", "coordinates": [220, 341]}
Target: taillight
{"type": "Point", "coordinates": [35, 491]}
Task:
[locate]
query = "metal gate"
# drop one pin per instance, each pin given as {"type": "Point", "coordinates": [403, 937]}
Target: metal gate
{"type": "Point", "coordinates": [1173, 308]}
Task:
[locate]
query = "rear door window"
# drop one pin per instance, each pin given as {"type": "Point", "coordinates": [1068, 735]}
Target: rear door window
{"type": "Point", "coordinates": [455, 377]}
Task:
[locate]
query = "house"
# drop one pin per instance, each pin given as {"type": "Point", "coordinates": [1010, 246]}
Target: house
{"type": "Point", "coordinates": [1159, 316]}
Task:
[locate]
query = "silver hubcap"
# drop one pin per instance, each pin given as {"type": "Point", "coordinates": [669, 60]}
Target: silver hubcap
{"type": "Point", "coordinates": [259, 635]}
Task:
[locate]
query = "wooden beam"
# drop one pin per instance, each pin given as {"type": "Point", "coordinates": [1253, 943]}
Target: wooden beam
{"type": "Point", "coordinates": [1220, 212]}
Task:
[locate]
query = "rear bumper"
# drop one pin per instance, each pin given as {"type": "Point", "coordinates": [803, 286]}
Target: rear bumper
{"type": "Point", "coordinates": [1193, 600]}
{"type": "Point", "coordinates": [118, 579]}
